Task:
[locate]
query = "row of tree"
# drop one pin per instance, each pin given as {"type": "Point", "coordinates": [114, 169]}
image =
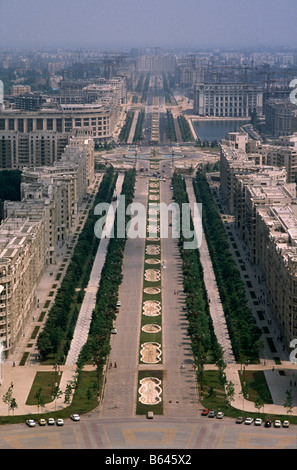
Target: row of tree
{"type": "Point", "coordinates": [56, 336]}
{"type": "Point", "coordinates": [243, 331]}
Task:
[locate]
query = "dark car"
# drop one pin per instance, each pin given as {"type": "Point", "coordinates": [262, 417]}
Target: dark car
{"type": "Point", "coordinates": [211, 414]}
{"type": "Point", "coordinates": [267, 423]}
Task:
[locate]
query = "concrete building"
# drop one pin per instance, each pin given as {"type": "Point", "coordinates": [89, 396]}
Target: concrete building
{"type": "Point", "coordinates": [228, 99]}
{"type": "Point", "coordinates": [18, 149]}
{"type": "Point", "coordinates": [280, 117]}
{"type": "Point", "coordinates": [264, 204]}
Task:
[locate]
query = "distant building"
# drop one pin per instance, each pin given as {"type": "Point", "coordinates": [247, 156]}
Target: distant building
{"type": "Point", "coordinates": [265, 208]}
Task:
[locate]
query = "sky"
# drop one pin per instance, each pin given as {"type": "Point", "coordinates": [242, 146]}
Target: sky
{"type": "Point", "coordinates": [123, 24]}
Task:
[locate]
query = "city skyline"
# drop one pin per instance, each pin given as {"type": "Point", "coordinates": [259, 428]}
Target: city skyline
{"type": "Point", "coordinates": [139, 23]}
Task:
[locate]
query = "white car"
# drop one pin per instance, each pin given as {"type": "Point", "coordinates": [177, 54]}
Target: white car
{"type": "Point", "coordinates": [248, 420]}
{"type": "Point", "coordinates": [50, 421]}
{"type": "Point", "coordinates": [75, 417]}
{"type": "Point", "coordinates": [59, 422]}
{"type": "Point", "coordinates": [277, 423]}
{"type": "Point", "coordinates": [114, 331]}
{"type": "Point", "coordinates": [220, 415]}
{"type": "Point", "coordinates": [258, 422]}
{"type": "Point", "coordinates": [286, 424]}
{"type": "Point", "coordinates": [31, 423]}
{"type": "Point", "coordinates": [119, 303]}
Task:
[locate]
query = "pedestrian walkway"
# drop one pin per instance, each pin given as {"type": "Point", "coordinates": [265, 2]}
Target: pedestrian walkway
{"type": "Point", "coordinates": [215, 305]}
{"type": "Point", "coordinates": [85, 315]}
{"type": "Point", "coordinates": [49, 285]}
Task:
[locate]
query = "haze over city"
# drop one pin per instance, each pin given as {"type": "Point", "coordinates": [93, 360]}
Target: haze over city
{"type": "Point", "coordinates": [123, 24]}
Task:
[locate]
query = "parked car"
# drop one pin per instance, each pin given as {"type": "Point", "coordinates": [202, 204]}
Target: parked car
{"type": "Point", "coordinates": [119, 303]}
{"type": "Point", "coordinates": [59, 422]}
{"type": "Point", "coordinates": [211, 414]}
{"type": "Point", "coordinates": [114, 331]}
{"type": "Point", "coordinates": [248, 420]}
{"type": "Point", "coordinates": [205, 412]}
{"type": "Point", "coordinates": [50, 421]}
{"type": "Point", "coordinates": [277, 423]}
{"type": "Point", "coordinates": [75, 417]}
{"type": "Point", "coordinates": [150, 415]}
{"type": "Point", "coordinates": [258, 422]}
{"type": "Point", "coordinates": [286, 424]}
{"type": "Point", "coordinates": [239, 420]}
{"type": "Point", "coordinates": [31, 423]}
{"type": "Point", "coordinates": [220, 415]}
{"type": "Point", "coordinates": [42, 422]}
{"type": "Point", "coordinates": [267, 423]}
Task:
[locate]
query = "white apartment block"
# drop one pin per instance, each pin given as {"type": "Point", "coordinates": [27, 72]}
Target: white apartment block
{"type": "Point", "coordinates": [230, 99]}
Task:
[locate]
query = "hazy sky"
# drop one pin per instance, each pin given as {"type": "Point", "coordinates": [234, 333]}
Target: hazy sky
{"type": "Point", "coordinates": [137, 23]}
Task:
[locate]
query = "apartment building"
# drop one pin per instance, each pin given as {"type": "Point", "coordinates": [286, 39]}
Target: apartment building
{"type": "Point", "coordinates": [31, 148]}
{"type": "Point", "coordinates": [33, 228]}
{"type": "Point", "coordinates": [228, 99]}
{"type": "Point", "coordinates": [281, 152]}
{"type": "Point", "coordinates": [156, 63]}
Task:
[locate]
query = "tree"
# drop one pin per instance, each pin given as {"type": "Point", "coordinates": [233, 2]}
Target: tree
{"type": "Point", "coordinates": [13, 404]}
{"type": "Point", "coordinates": [40, 399]}
{"type": "Point", "coordinates": [289, 401]}
{"type": "Point", "coordinates": [99, 349]}
{"type": "Point", "coordinates": [230, 391]}
{"type": "Point", "coordinates": [67, 394]}
{"type": "Point", "coordinates": [7, 397]}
